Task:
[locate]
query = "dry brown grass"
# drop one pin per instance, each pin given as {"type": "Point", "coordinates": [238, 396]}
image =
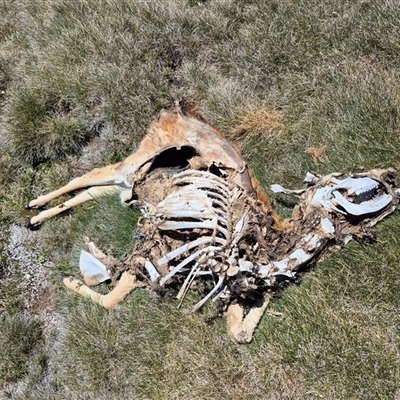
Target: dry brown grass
{"type": "Point", "coordinates": [253, 122]}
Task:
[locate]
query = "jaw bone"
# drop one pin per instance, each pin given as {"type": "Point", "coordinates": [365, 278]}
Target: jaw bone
{"type": "Point", "coordinates": [363, 189]}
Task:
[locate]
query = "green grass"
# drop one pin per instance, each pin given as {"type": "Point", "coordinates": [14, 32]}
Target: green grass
{"type": "Point", "coordinates": [79, 84]}
{"type": "Point", "coordinates": [20, 340]}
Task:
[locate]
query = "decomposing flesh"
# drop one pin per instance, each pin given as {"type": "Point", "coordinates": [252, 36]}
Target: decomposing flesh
{"type": "Point", "coordinates": [206, 218]}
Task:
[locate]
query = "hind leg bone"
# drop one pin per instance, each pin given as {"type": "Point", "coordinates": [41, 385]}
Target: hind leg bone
{"type": "Point", "coordinates": [126, 284]}
{"type": "Point", "coordinates": [241, 328]}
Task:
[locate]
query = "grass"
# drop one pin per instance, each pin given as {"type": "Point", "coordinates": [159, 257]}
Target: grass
{"type": "Point", "coordinates": [20, 340]}
{"type": "Point", "coordinates": [79, 85]}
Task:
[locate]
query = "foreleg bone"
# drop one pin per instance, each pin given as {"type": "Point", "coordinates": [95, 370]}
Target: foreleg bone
{"type": "Point", "coordinates": [90, 194]}
{"type": "Point", "coordinates": [110, 175]}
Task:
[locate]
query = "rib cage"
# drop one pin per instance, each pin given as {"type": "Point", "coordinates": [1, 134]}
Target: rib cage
{"type": "Point", "coordinates": [210, 210]}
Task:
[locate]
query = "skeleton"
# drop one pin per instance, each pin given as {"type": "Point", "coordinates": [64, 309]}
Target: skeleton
{"type": "Point", "coordinates": [207, 220]}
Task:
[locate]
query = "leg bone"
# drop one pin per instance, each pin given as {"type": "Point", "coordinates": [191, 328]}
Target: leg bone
{"type": "Point", "coordinates": [125, 285]}
{"type": "Point", "coordinates": [110, 175]}
{"type": "Point", "coordinates": [89, 194]}
{"type": "Point", "coordinates": [241, 329]}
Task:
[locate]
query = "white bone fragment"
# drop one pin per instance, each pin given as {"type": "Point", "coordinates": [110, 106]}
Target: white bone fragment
{"type": "Point", "coordinates": [203, 183]}
{"type": "Point", "coordinates": [281, 265]}
{"type": "Point", "coordinates": [355, 185]}
{"type": "Point", "coordinates": [348, 239]}
{"type": "Point", "coordinates": [223, 221]}
{"type": "Point", "coordinates": [223, 199]}
{"type": "Point", "coordinates": [197, 273]}
{"type": "Point", "coordinates": [282, 268]}
{"type": "Point", "coordinates": [223, 294]}
{"type": "Point", "coordinates": [287, 273]}
{"type": "Point", "coordinates": [233, 270]}
{"type": "Point", "coordinates": [312, 241]}
{"type": "Point", "coordinates": [218, 203]}
{"type": "Point", "coordinates": [236, 193]}
{"type": "Point", "coordinates": [240, 227]}
{"type": "Point", "coordinates": [203, 301]}
{"type": "Point", "coordinates": [212, 263]}
{"type": "Point", "coordinates": [217, 268]}
{"type": "Point", "coordinates": [182, 249]}
{"type": "Point", "coordinates": [280, 189]}
{"type": "Point", "coordinates": [327, 226]}
{"type": "Point", "coordinates": [235, 252]}
{"type": "Point", "coordinates": [193, 205]}
{"type": "Point", "coordinates": [367, 207]}
{"type": "Point", "coordinates": [242, 222]}
{"type": "Point", "coordinates": [264, 270]}
{"type": "Point", "coordinates": [190, 174]}
{"type": "Point", "coordinates": [151, 269]}
{"type": "Point", "coordinates": [177, 211]}
{"type": "Point", "coordinates": [219, 295]}
{"type": "Point", "coordinates": [93, 271]}
{"type": "Point", "coordinates": [311, 179]}
{"type": "Point", "coordinates": [146, 167]}
{"type": "Point", "coordinates": [330, 197]}
{"type": "Point", "coordinates": [185, 262]}
{"type": "Point", "coordinates": [322, 197]}
{"type": "Point", "coordinates": [186, 284]}
{"type": "Point", "coordinates": [232, 261]}
{"type": "Point", "coordinates": [300, 256]}
{"type": "Point", "coordinates": [245, 266]}
{"type": "Point", "coordinates": [94, 250]}
{"type": "Point", "coordinates": [176, 225]}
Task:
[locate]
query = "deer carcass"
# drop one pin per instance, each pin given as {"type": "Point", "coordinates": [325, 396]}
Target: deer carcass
{"type": "Point", "coordinates": [207, 218]}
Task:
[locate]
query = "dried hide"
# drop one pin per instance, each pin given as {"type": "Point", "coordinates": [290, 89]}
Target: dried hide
{"type": "Point", "coordinates": [206, 219]}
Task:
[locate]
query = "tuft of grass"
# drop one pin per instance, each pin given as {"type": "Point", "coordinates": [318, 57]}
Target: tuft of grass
{"type": "Point", "coordinates": [256, 122]}
{"type": "Point", "coordinates": [15, 194]}
{"type": "Point", "coordinates": [43, 127]}
{"type": "Point", "coordinates": [20, 337]}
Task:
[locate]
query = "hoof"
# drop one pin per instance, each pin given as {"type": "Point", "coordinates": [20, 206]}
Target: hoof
{"type": "Point", "coordinates": [27, 206]}
{"type": "Point", "coordinates": [31, 226]}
